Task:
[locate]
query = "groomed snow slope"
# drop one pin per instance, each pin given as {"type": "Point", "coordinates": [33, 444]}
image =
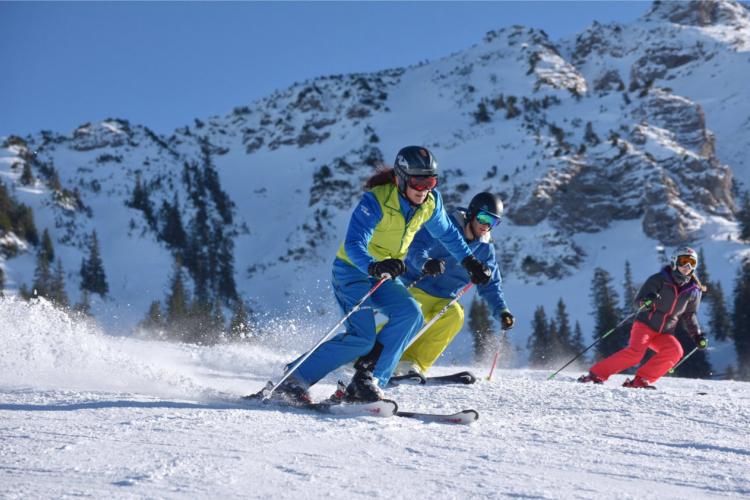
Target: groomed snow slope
{"type": "Point", "coordinates": [86, 414]}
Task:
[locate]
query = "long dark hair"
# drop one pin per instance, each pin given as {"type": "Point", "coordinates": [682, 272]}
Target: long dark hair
{"type": "Point", "coordinates": [384, 175]}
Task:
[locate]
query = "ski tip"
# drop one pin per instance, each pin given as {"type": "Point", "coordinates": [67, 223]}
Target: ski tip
{"type": "Point", "coordinates": [471, 413]}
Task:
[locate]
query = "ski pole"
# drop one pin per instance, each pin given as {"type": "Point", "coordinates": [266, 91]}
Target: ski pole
{"type": "Point", "coordinates": [383, 278]}
{"type": "Point", "coordinates": [628, 317]}
{"type": "Point", "coordinates": [414, 283]}
{"type": "Point", "coordinates": [497, 353]}
{"type": "Point", "coordinates": [439, 314]}
{"type": "Point", "coordinates": [684, 358]}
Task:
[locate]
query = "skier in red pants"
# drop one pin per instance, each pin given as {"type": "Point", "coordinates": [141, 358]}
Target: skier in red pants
{"type": "Point", "coordinates": [671, 295]}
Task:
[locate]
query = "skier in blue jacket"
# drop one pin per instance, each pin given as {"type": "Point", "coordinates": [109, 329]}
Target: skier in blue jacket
{"type": "Point", "coordinates": [444, 277]}
{"type": "Point", "coordinates": [399, 202]}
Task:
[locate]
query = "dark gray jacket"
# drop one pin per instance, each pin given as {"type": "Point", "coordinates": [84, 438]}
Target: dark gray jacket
{"type": "Point", "coordinates": [676, 302]}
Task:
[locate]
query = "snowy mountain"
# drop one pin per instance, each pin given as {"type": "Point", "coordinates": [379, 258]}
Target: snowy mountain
{"type": "Point", "coordinates": [87, 414]}
{"type": "Point", "coordinates": [604, 146]}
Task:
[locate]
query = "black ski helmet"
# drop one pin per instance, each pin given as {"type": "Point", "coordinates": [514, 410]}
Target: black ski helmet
{"type": "Point", "coordinates": [413, 161]}
{"type": "Point", "coordinates": [487, 202]}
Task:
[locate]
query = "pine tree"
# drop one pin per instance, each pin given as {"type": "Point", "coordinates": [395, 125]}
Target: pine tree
{"type": "Point", "coordinates": [93, 278]}
{"type": "Point", "coordinates": [702, 270]}
{"type": "Point", "coordinates": [539, 340]}
{"type": "Point", "coordinates": [218, 322]}
{"type": "Point", "coordinates": [154, 319]}
{"type": "Point", "coordinates": [239, 326]}
{"type": "Point", "coordinates": [177, 304]}
{"type": "Point", "coordinates": [629, 290]}
{"type": "Point", "coordinates": [42, 284]}
{"type": "Point", "coordinates": [48, 249]}
{"type": "Point", "coordinates": [199, 328]}
{"type": "Point", "coordinates": [556, 348]}
{"type": "Point", "coordinates": [23, 223]}
{"type": "Point", "coordinates": [2, 281]}
{"type": "Point", "coordinates": [57, 292]}
{"type": "Point", "coordinates": [173, 232]}
{"type": "Point", "coordinates": [563, 330]}
{"type": "Point", "coordinates": [481, 327]}
{"type": "Point", "coordinates": [744, 217]}
{"type": "Point", "coordinates": [84, 306]}
{"type": "Point", "coordinates": [576, 345]}
{"type": "Point", "coordinates": [719, 321]}
{"type": "Point", "coordinates": [741, 320]}
{"type": "Point", "coordinates": [140, 200]}
{"type": "Point", "coordinates": [606, 314]}
{"type": "Point", "coordinates": [6, 209]}
{"type": "Point", "coordinates": [27, 177]}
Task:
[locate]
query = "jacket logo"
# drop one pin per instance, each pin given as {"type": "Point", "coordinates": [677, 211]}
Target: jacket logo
{"type": "Point", "coordinates": [365, 211]}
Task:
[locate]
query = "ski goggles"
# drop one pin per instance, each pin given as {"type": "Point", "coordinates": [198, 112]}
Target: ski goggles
{"type": "Point", "coordinates": [684, 260]}
{"type": "Point", "coordinates": [422, 183]}
{"type": "Point", "coordinates": [487, 219]}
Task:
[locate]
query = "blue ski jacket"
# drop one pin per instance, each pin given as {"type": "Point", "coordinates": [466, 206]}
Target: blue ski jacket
{"type": "Point", "coordinates": [369, 212]}
{"type": "Point", "coordinates": [455, 276]}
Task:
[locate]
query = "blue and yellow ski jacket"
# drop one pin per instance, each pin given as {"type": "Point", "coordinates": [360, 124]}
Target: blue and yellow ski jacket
{"type": "Point", "coordinates": [384, 223]}
{"type": "Point", "coordinates": [455, 276]}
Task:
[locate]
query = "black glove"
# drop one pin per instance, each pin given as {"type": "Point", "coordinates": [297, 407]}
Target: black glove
{"type": "Point", "coordinates": [700, 341]}
{"type": "Point", "coordinates": [507, 320]}
{"type": "Point", "coordinates": [478, 272]}
{"type": "Point", "coordinates": [648, 299]}
{"type": "Point", "coordinates": [434, 267]}
{"type": "Point", "coordinates": [394, 267]}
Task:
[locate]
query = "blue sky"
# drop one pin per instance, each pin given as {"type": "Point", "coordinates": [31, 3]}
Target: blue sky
{"type": "Point", "coordinates": [163, 64]}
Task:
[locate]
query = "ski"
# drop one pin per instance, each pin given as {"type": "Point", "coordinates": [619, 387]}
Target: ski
{"type": "Point", "coordinates": [380, 408]}
{"type": "Point", "coordinates": [417, 379]}
{"type": "Point", "coordinates": [463, 417]}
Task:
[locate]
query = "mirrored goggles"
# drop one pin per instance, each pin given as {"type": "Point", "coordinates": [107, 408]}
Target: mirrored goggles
{"type": "Point", "coordinates": [422, 183]}
{"type": "Point", "coordinates": [684, 260]}
{"type": "Point", "coordinates": [487, 219]}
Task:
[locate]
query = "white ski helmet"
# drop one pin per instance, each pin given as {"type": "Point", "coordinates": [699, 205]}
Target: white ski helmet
{"type": "Point", "coordinates": [683, 255]}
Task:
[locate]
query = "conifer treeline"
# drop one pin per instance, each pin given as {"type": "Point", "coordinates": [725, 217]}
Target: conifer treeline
{"type": "Point", "coordinates": [16, 218]}
{"type": "Point", "coordinates": [203, 246]}
{"type": "Point", "coordinates": [188, 317]}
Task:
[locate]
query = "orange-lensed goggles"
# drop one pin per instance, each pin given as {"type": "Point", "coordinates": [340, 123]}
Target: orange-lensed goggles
{"type": "Point", "coordinates": [422, 183]}
{"type": "Point", "coordinates": [684, 260]}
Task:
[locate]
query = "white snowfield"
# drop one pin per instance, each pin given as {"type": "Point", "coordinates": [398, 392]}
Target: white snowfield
{"type": "Point", "coordinates": [83, 413]}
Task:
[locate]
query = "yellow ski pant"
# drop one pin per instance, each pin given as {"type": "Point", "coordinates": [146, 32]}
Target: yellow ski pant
{"type": "Point", "coordinates": [431, 344]}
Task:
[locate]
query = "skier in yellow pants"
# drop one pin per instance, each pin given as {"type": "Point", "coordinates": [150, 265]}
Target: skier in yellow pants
{"type": "Point", "coordinates": [437, 277]}
{"type": "Point", "coordinates": [423, 353]}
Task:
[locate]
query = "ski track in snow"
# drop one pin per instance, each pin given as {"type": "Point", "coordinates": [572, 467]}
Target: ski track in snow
{"type": "Point", "coordinates": [86, 414]}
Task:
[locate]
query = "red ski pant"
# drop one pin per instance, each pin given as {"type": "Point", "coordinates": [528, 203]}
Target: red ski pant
{"type": "Point", "coordinates": [668, 353]}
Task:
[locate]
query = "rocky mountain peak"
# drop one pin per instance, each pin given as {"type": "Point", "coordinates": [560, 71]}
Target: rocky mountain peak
{"type": "Point", "coordinates": [700, 13]}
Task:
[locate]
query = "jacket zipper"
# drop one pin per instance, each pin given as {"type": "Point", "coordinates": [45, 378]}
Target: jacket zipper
{"type": "Point", "coordinates": [671, 310]}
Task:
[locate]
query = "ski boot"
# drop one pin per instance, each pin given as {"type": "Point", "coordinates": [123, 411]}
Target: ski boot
{"type": "Point", "coordinates": [363, 388]}
{"type": "Point", "coordinates": [638, 382]}
{"type": "Point", "coordinates": [590, 377]}
{"type": "Point", "coordinates": [292, 392]}
{"type": "Point", "coordinates": [409, 372]}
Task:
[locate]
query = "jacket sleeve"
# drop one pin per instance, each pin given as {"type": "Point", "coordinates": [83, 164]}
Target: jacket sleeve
{"type": "Point", "coordinates": [492, 292]}
{"type": "Point", "coordinates": [441, 228]}
{"type": "Point", "coordinates": [651, 286]}
{"type": "Point", "coordinates": [362, 224]}
{"type": "Point", "coordinates": [690, 317]}
{"type": "Point", "coordinates": [419, 250]}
